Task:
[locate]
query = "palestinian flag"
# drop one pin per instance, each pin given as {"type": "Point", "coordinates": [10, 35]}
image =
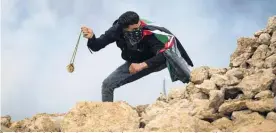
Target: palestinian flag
{"type": "Point", "coordinates": [165, 38]}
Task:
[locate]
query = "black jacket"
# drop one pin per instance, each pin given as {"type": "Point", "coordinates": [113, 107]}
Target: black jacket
{"type": "Point", "coordinates": [149, 46]}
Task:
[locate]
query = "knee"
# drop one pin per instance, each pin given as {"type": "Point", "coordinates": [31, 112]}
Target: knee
{"type": "Point", "coordinates": [107, 86]}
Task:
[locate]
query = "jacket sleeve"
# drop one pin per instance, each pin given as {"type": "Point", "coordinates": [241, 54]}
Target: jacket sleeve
{"type": "Point", "coordinates": [159, 59]}
{"type": "Point", "coordinates": [95, 44]}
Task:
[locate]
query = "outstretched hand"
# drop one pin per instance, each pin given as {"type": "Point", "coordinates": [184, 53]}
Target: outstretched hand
{"type": "Point", "coordinates": [87, 32]}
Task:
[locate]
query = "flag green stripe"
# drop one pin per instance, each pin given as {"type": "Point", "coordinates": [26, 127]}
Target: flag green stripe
{"type": "Point", "coordinates": [164, 39]}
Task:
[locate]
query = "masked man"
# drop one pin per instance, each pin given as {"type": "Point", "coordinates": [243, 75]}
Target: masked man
{"type": "Point", "coordinates": [145, 48]}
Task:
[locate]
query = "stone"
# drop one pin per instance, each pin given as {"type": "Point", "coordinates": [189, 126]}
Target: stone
{"type": "Point", "coordinates": [175, 121]}
{"type": "Point", "coordinates": [271, 24]}
{"type": "Point", "coordinates": [263, 105]}
{"type": "Point", "coordinates": [177, 93]}
{"type": "Point", "coordinates": [100, 117]}
{"type": "Point", "coordinates": [272, 48]}
{"type": "Point", "coordinates": [259, 56]}
{"type": "Point", "coordinates": [270, 62]}
{"type": "Point", "coordinates": [200, 108]}
{"type": "Point", "coordinates": [153, 110]}
{"type": "Point", "coordinates": [199, 95]}
{"type": "Point", "coordinates": [248, 121]}
{"type": "Point", "coordinates": [237, 72]}
{"type": "Point", "coordinates": [6, 120]}
{"type": "Point", "coordinates": [258, 33]}
{"type": "Point", "coordinates": [264, 126]}
{"type": "Point", "coordinates": [244, 50]}
{"type": "Point", "coordinates": [39, 123]}
{"type": "Point", "coordinates": [264, 94]}
{"type": "Point", "coordinates": [162, 97]}
{"type": "Point", "coordinates": [224, 124]}
{"type": "Point", "coordinates": [220, 71]}
{"type": "Point", "coordinates": [271, 116]}
{"type": "Point", "coordinates": [207, 86]}
{"type": "Point", "coordinates": [5, 129]}
{"type": "Point", "coordinates": [264, 38]}
{"type": "Point", "coordinates": [193, 92]}
{"type": "Point", "coordinates": [232, 105]}
{"type": "Point", "coordinates": [273, 38]}
{"type": "Point", "coordinates": [141, 109]}
{"type": "Point", "coordinates": [253, 84]}
{"type": "Point", "coordinates": [224, 80]}
{"type": "Point", "coordinates": [198, 75]}
{"type": "Point", "coordinates": [216, 98]}
{"type": "Point", "coordinates": [246, 117]}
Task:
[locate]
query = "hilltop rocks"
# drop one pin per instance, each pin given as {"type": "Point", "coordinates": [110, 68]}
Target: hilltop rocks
{"type": "Point", "coordinates": [39, 123]}
{"type": "Point", "coordinates": [6, 121]}
{"type": "Point", "coordinates": [93, 116]}
{"type": "Point", "coordinates": [240, 98]}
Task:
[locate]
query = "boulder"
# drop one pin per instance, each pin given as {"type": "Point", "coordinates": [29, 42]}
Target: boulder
{"type": "Point", "coordinates": [237, 72]}
{"type": "Point", "coordinates": [232, 105]}
{"type": "Point", "coordinates": [201, 109]}
{"type": "Point", "coordinates": [99, 117]}
{"type": "Point", "coordinates": [220, 71]}
{"type": "Point", "coordinates": [263, 105]}
{"type": "Point", "coordinates": [6, 120]}
{"type": "Point", "coordinates": [216, 98]}
{"type": "Point", "coordinates": [198, 75]}
{"type": "Point", "coordinates": [176, 121]}
{"type": "Point", "coordinates": [224, 124]}
{"type": "Point", "coordinates": [248, 121]}
{"type": "Point", "coordinates": [207, 86]}
{"type": "Point", "coordinates": [39, 123]}
{"type": "Point", "coordinates": [270, 62]}
{"type": "Point", "coordinates": [259, 56]}
{"type": "Point", "coordinates": [264, 38]}
{"type": "Point", "coordinates": [224, 80]}
{"type": "Point", "coordinates": [264, 94]}
{"type": "Point", "coordinates": [271, 116]}
{"type": "Point", "coordinates": [253, 84]}
{"type": "Point", "coordinates": [271, 24]}
{"type": "Point", "coordinates": [153, 110]}
{"type": "Point", "coordinates": [244, 50]}
{"type": "Point", "coordinates": [273, 38]}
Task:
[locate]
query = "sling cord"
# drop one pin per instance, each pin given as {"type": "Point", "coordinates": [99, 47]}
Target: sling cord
{"type": "Point", "coordinates": [70, 67]}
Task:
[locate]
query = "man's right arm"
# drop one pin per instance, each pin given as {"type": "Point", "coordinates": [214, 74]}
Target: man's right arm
{"type": "Point", "coordinates": [95, 44]}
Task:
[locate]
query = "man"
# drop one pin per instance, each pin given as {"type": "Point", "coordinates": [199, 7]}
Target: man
{"type": "Point", "coordinates": [142, 49]}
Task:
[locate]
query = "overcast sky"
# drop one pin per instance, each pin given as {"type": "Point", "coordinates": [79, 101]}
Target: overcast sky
{"type": "Point", "coordinates": [38, 38]}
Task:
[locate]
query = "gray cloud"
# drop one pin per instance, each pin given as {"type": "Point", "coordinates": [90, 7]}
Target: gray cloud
{"type": "Point", "coordinates": [39, 37]}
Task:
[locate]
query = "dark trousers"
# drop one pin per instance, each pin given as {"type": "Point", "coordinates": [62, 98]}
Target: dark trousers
{"type": "Point", "coordinates": [120, 77]}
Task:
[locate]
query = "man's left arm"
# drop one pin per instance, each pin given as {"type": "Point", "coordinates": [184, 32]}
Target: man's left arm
{"type": "Point", "coordinates": [155, 46]}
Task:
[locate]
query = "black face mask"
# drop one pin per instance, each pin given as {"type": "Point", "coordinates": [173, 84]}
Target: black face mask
{"type": "Point", "coordinates": [133, 38]}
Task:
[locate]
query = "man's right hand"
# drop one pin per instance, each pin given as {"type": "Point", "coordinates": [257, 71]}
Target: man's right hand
{"type": "Point", "coordinates": [87, 32]}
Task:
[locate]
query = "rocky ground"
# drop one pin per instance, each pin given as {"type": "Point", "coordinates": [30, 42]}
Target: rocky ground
{"type": "Point", "coordinates": [238, 98]}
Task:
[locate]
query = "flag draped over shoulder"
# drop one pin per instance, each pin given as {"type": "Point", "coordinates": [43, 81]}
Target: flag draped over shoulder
{"type": "Point", "coordinates": [177, 66]}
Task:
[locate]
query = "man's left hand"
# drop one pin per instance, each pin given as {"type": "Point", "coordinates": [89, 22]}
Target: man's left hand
{"type": "Point", "coordinates": [137, 67]}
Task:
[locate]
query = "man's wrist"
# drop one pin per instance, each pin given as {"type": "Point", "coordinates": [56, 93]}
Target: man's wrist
{"type": "Point", "coordinates": [144, 65]}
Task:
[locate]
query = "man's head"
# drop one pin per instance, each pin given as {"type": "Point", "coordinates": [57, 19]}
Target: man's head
{"type": "Point", "coordinates": [129, 20]}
